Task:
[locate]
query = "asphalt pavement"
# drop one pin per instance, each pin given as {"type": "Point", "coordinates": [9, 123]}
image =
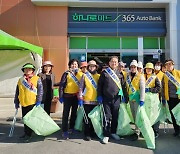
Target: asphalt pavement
{"type": "Point", "coordinates": [54, 144]}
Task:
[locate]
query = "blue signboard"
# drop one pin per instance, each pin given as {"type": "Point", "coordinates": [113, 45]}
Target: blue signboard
{"type": "Point", "coordinates": [116, 0]}
{"type": "Point", "coordinates": [117, 22]}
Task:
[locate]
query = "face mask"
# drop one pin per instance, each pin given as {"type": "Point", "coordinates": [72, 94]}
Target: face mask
{"type": "Point", "coordinates": [157, 68]}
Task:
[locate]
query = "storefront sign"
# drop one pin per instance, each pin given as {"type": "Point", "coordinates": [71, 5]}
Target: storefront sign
{"type": "Point", "coordinates": [109, 18]}
{"type": "Point", "coordinates": [117, 0]}
{"type": "Point", "coordinates": [145, 22]}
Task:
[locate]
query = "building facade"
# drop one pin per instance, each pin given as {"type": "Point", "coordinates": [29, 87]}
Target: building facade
{"type": "Point", "coordinates": [146, 30]}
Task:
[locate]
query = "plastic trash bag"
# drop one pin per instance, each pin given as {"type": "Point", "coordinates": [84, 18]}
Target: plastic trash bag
{"type": "Point", "coordinates": [40, 122]}
{"type": "Point", "coordinates": [164, 114]}
{"type": "Point", "coordinates": [143, 123]}
{"type": "Point", "coordinates": [176, 113]}
{"type": "Point", "coordinates": [152, 106]}
{"type": "Point", "coordinates": [135, 96]}
{"type": "Point", "coordinates": [96, 118]}
{"type": "Point", "coordinates": [79, 120]}
{"type": "Point", "coordinates": [128, 108]}
{"type": "Point", "coordinates": [124, 127]}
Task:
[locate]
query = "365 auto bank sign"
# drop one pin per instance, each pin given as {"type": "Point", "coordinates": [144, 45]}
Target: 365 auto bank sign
{"type": "Point", "coordinates": [124, 17]}
{"type": "Point", "coordinates": [117, 21]}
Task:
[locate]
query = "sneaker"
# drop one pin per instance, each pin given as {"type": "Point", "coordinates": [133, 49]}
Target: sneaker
{"type": "Point", "coordinates": [115, 136]}
{"type": "Point", "coordinates": [71, 131]}
{"type": "Point", "coordinates": [105, 140]}
{"type": "Point", "coordinates": [87, 138]}
{"type": "Point", "coordinates": [134, 137]}
{"type": "Point", "coordinates": [65, 135]}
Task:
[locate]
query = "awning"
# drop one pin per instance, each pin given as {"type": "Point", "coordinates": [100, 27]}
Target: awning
{"type": "Point", "coordinates": [8, 42]}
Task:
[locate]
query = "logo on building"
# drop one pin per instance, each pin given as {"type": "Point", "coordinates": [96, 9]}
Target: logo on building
{"type": "Point", "coordinates": [110, 18]}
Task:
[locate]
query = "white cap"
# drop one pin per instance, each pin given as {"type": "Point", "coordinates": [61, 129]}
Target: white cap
{"type": "Point", "coordinates": [121, 64]}
{"type": "Point", "coordinates": [134, 63]}
{"type": "Point", "coordinates": [140, 64]}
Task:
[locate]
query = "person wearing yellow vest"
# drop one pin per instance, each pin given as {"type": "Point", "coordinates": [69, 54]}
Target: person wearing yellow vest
{"type": "Point", "coordinates": [163, 68]}
{"type": "Point", "coordinates": [122, 71]}
{"type": "Point", "coordinates": [153, 85]}
{"type": "Point", "coordinates": [170, 84]}
{"type": "Point", "coordinates": [157, 70]}
{"type": "Point", "coordinates": [88, 95]}
{"type": "Point", "coordinates": [68, 92]}
{"type": "Point", "coordinates": [136, 90]}
{"type": "Point", "coordinates": [110, 89]}
{"type": "Point", "coordinates": [140, 67]}
{"type": "Point", "coordinates": [83, 66]}
{"type": "Point", "coordinates": [29, 93]}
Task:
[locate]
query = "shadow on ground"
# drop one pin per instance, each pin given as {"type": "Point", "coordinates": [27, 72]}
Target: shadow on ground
{"type": "Point", "coordinates": [165, 144]}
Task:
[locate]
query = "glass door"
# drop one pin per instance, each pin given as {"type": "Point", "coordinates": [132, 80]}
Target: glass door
{"type": "Point", "coordinates": [101, 57]}
{"type": "Point", "coordinates": [127, 57]}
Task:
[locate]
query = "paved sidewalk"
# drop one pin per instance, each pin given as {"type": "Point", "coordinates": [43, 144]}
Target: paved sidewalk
{"type": "Point", "coordinates": [54, 144]}
{"type": "Point", "coordinates": [7, 109]}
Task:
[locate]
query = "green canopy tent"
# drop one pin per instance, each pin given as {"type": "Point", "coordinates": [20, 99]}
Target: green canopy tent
{"type": "Point", "coordinates": [14, 53]}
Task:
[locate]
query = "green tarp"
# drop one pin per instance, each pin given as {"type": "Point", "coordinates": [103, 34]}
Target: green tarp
{"type": "Point", "coordinates": [14, 54]}
{"type": "Point", "coordinates": [8, 42]}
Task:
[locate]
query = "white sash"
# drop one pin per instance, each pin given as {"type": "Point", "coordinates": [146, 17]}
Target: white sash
{"type": "Point", "coordinates": [91, 79]}
{"type": "Point", "coordinates": [114, 77]}
{"type": "Point", "coordinates": [149, 80]}
{"type": "Point", "coordinates": [76, 81]}
{"type": "Point", "coordinates": [172, 79]}
{"type": "Point", "coordinates": [130, 85]}
{"type": "Point", "coordinates": [27, 86]}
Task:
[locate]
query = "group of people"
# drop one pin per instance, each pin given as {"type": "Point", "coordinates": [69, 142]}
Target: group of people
{"type": "Point", "coordinates": [82, 85]}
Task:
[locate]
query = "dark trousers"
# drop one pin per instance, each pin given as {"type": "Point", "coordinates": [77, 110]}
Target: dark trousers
{"type": "Point", "coordinates": [28, 131]}
{"type": "Point", "coordinates": [111, 108]}
{"type": "Point", "coordinates": [172, 103]}
{"type": "Point", "coordinates": [47, 106]}
{"type": "Point", "coordinates": [156, 127]}
{"type": "Point", "coordinates": [88, 128]}
{"type": "Point", "coordinates": [69, 103]}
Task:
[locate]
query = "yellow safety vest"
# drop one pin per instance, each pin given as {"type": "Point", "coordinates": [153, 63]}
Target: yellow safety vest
{"type": "Point", "coordinates": [176, 75]}
{"type": "Point", "coordinates": [124, 74]}
{"type": "Point", "coordinates": [135, 83]}
{"type": "Point", "coordinates": [160, 75]}
{"type": "Point", "coordinates": [71, 86]}
{"type": "Point", "coordinates": [152, 83]}
{"type": "Point", "coordinates": [27, 97]}
{"type": "Point", "coordinates": [90, 92]}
